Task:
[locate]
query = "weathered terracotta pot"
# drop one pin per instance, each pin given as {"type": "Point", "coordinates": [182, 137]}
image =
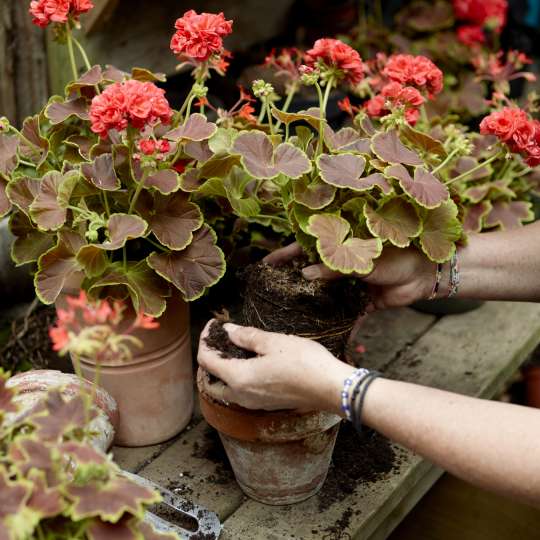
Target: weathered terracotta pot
{"type": "Point", "coordinates": [154, 390]}
{"type": "Point", "coordinates": [532, 385]}
{"type": "Point", "coordinates": [278, 457]}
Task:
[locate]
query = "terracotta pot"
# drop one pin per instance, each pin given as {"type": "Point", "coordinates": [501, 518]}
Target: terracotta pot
{"type": "Point", "coordinates": [447, 306]}
{"type": "Point", "coordinates": [32, 386]}
{"type": "Point", "coordinates": [278, 457]}
{"type": "Point", "coordinates": [532, 385]}
{"type": "Point", "coordinates": [154, 390]}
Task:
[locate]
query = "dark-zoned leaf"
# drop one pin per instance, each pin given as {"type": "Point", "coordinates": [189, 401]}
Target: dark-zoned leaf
{"type": "Point", "coordinates": [101, 173]}
{"type": "Point", "coordinates": [172, 219]}
{"type": "Point", "coordinates": [441, 230]}
{"type": "Point", "coordinates": [147, 291]}
{"type": "Point", "coordinates": [395, 220]}
{"type": "Point", "coordinates": [57, 266]}
{"type": "Point", "coordinates": [199, 150]}
{"type": "Point", "coordinates": [49, 208]}
{"type": "Point", "coordinates": [347, 139]}
{"type": "Point", "coordinates": [467, 163]}
{"type": "Point", "coordinates": [123, 227]}
{"type": "Point", "coordinates": [29, 243]}
{"type": "Point", "coordinates": [193, 270]}
{"type": "Point", "coordinates": [497, 188]}
{"type": "Point", "coordinates": [191, 181]}
{"type": "Point", "coordinates": [337, 251]}
{"type": "Point", "coordinates": [261, 160]}
{"type": "Point", "coordinates": [423, 141]}
{"type": "Point", "coordinates": [13, 498]}
{"type": "Point", "coordinates": [311, 116]}
{"type": "Point", "coordinates": [145, 75]}
{"type": "Point", "coordinates": [22, 192]}
{"type": "Point", "coordinates": [196, 128]}
{"type": "Point", "coordinates": [425, 188]}
{"type": "Point", "coordinates": [314, 194]}
{"type": "Point", "coordinates": [60, 110]}
{"type": "Point", "coordinates": [33, 147]}
{"type": "Point", "coordinates": [473, 218]}
{"type": "Point", "coordinates": [509, 215]}
{"type": "Point", "coordinates": [8, 153]}
{"type": "Point", "coordinates": [5, 203]}
{"type": "Point", "coordinates": [166, 181]}
{"type": "Point", "coordinates": [388, 147]}
{"type": "Point", "coordinates": [90, 78]}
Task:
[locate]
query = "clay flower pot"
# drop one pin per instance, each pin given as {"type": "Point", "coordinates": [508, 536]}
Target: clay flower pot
{"type": "Point", "coordinates": [32, 386]}
{"type": "Point", "coordinates": [447, 306]}
{"type": "Point", "coordinates": [278, 457]}
{"type": "Point", "coordinates": [154, 390]}
{"type": "Point", "coordinates": [532, 385]}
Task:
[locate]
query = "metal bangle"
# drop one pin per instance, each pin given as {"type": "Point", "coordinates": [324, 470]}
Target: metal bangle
{"type": "Point", "coordinates": [355, 392]}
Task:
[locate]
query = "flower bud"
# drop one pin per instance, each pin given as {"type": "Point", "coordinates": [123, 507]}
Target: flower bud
{"type": "Point", "coordinates": [199, 90]}
{"type": "Point", "coordinates": [262, 89]}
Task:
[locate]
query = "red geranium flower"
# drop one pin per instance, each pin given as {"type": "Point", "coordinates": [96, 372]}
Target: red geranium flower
{"type": "Point", "coordinates": [414, 70]}
{"type": "Point", "coordinates": [337, 56]}
{"type": "Point", "coordinates": [471, 34]}
{"type": "Point", "coordinates": [45, 12]}
{"type": "Point", "coordinates": [481, 12]}
{"type": "Point", "coordinates": [503, 123]}
{"type": "Point", "coordinates": [376, 106]}
{"type": "Point", "coordinates": [131, 102]}
{"type": "Point", "coordinates": [200, 36]}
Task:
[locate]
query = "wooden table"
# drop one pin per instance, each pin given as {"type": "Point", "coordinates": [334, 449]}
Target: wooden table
{"type": "Point", "coordinates": [473, 354]}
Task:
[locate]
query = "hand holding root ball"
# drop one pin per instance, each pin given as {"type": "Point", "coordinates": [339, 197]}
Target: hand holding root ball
{"type": "Point", "coordinates": [282, 375]}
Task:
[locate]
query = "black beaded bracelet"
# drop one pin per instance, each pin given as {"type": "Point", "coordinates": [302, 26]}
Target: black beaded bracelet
{"type": "Point", "coordinates": [357, 405]}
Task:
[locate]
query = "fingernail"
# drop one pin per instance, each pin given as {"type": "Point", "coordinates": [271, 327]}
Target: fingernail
{"type": "Point", "coordinates": [311, 272]}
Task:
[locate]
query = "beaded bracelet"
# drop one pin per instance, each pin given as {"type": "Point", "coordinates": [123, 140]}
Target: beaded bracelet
{"type": "Point", "coordinates": [436, 285]}
{"type": "Point", "coordinates": [454, 275]}
{"type": "Point", "coordinates": [345, 401]}
{"type": "Point", "coordinates": [358, 405]}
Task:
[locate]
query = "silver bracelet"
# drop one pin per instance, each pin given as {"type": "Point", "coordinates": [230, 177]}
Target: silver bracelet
{"type": "Point", "coordinates": [454, 275]}
{"type": "Point", "coordinates": [360, 373]}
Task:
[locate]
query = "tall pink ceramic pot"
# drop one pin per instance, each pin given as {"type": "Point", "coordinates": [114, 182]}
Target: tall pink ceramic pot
{"type": "Point", "coordinates": [154, 390]}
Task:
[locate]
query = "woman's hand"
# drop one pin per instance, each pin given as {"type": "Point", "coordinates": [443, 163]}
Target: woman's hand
{"type": "Point", "coordinates": [288, 373]}
{"type": "Point", "coordinates": [400, 277]}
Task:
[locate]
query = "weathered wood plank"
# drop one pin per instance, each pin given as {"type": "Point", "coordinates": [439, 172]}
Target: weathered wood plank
{"type": "Point", "coordinates": [472, 354]}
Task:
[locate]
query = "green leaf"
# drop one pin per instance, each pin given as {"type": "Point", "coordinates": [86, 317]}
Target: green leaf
{"type": "Point", "coordinates": [49, 209]}
{"type": "Point", "coordinates": [340, 252]}
{"type": "Point", "coordinates": [57, 266]}
{"type": "Point", "coordinates": [244, 205]}
{"type": "Point", "coordinates": [172, 218]}
{"type": "Point", "coordinates": [222, 140]}
{"type": "Point", "coordinates": [441, 230]}
{"type": "Point", "coordinates": [261, 160]}
{"type": "Point", "coordinates": [395, 220]}
{"type": "Point", "coordinates": [193, 270]}
{"type": "Point", "coordinates": [147, 291]}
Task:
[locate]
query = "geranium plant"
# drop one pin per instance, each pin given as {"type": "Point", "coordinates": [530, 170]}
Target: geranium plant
{"type": "Point", "coordinates": [93, 180]}
{"type": "Point", "coordinates": [343, 194]}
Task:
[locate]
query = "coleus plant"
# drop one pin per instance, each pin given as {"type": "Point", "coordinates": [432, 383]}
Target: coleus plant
{"type": "Point", "coordinates": [92, 181]}
{"type": "Point", "coordinates": [345, 194]}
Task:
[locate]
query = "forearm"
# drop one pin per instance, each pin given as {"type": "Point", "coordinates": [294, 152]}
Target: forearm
{"type": "Point", "coordinates": [490, 444]}
{"type": "Point", "coordinates": [502, 265]}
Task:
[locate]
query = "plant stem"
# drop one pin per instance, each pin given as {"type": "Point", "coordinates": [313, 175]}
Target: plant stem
{"type": "Point", "coordinates": [323, 101]}
{"type": "Point", "coordinates": [155, 244]}
{"type": "Point", "coordinates": [288, 102]}
{"type": "Point", "coordinates": [71, 53]}
{"type": "Point", "coordinates": [446, 161]}
{"type": "Point", "coordinates": [474, 169]}
{"type": "Point", "coordinates": [124, 258]}
{"type": "Point", "coordinates": [423, 113]}
{"type": "Point", "coordinates": [106, 203]}
{"type": "Point", "coordinates": [83, 53]}
{"type": "Point", "coordinates": [138, 190]}
{"type": "Point", "coordinates": [269, 116]}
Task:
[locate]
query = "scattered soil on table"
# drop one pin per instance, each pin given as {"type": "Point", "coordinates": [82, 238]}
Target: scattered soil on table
{"type": "Point", "coordinates": [175, 517]}
{"type": "Point", "coordinates": [210, 448]}
{"type": "Point", "coordinates": [29, 345]}
{"type": "Point", "coordinates": [280, 299]}
{"type": "Point", "coordinates": [218, 339]}
{"type": "Point", "coordinates": [359, 459]}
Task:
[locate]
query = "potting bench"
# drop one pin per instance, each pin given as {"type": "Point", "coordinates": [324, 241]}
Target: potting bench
{"type": "Point", "coordinates": [475, 353]}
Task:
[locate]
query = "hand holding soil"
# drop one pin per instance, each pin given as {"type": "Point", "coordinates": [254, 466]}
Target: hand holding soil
{"type": "Point", "coordinates": [400, 277]}
{"type": "Point", "coordinates": [288, 372]}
